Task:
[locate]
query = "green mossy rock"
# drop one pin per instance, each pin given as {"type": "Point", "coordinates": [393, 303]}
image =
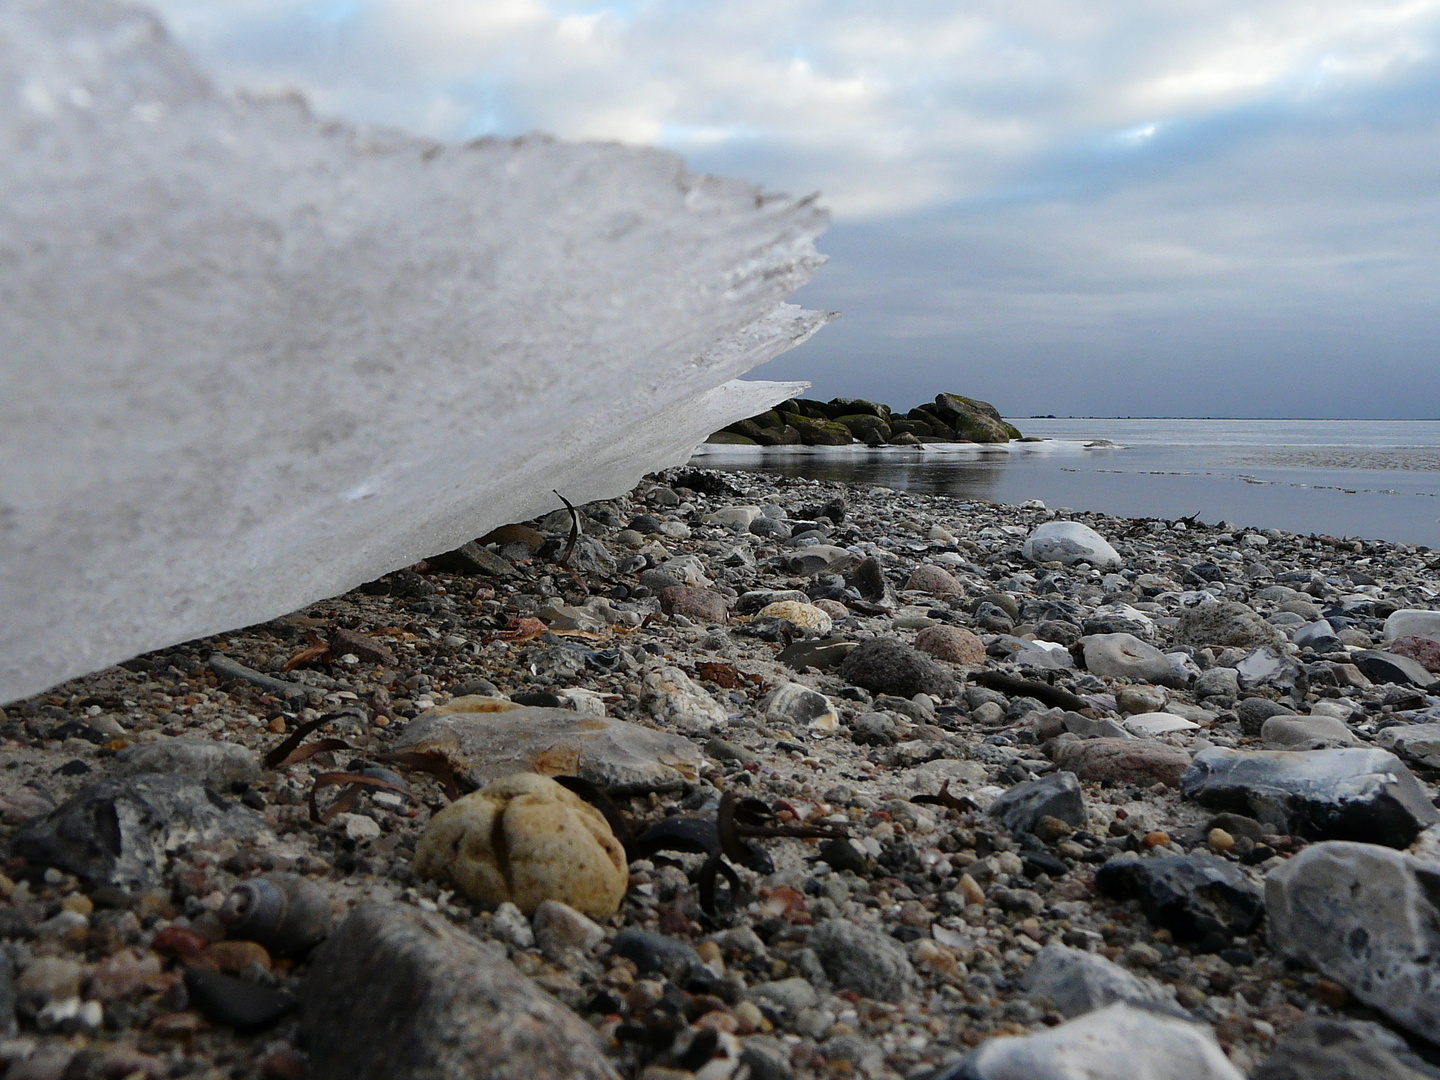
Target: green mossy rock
{"type": "Point", "coordinates": [771, 419]}
{"type": "Point", "coordinates": [814, 410]}
{"type": "Point", "coordinates": [748, 428]}
{"type": "Point", "coordinates": [819, 432]}
{"type": "Point", "coordinates": [730, 438]}
{"type": "Point", "coordinates": [862, 424]}
{"type": "Point", "coordinates": [841, 407]}
{"type": "Point", "coordinates": [977, 421]}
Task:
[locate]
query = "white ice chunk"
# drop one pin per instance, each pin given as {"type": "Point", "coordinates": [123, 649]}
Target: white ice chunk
{"type": "Point", "coordinates": [249, 359]}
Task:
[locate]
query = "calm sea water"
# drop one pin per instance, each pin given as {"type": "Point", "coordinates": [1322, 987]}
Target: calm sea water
{"type": "Point", "coordinates": [1378, 479]}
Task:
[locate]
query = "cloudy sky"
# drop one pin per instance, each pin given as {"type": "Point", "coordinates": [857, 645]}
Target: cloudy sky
{"type": "Point", "coordinates": [1140, 207]}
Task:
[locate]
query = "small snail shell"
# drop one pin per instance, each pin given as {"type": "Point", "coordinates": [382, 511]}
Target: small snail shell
{"type": "Point", "coordinates": [284, 912]}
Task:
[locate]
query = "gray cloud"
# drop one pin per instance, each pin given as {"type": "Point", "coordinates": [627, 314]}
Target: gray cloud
{"type": "Point", "coordinates": [1127, 208]}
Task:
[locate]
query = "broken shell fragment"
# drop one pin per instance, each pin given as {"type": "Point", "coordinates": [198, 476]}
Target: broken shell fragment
{"type": "Point", "coordinates": [526, 839]}
{"type": "Point", "coordinates": [283, 912]}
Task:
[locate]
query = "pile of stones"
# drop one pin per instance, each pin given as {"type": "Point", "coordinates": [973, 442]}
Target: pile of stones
{"type": "Point", "coordinates": [842, 421]}
{"type": "Point", "coordinates": [742, 776]}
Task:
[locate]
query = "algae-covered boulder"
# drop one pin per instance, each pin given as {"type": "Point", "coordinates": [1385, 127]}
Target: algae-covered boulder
{"type": "Point", "coordinates": [978, 421]}
{"type": "Point", "coordinates": [842, 407]}
{"type": "Point", "coordinates": [862, 424]}
{"type": "Point", "coordinates": [819, 432]}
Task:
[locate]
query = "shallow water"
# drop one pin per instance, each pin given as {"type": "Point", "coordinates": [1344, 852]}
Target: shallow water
{"type": "Point", "coordinates": [1367, 478]}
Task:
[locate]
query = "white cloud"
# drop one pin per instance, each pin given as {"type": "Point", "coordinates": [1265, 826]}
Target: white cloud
{"type": "Point", "coordinates": [1066, 174]}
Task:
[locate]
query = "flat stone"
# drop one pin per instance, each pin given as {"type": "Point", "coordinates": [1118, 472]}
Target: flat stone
{"type": "Point", "coordinates": [1305, 733]}
{"type": "Point", "coordinates": [1196, 897]}
{"type": "Point", "coordinates": [1124, 656]}
{"type": "Point", "coordinates": [1078, 982]}
{"type": "Point", "coordinates": [1389, 667]}
{"type": "Point", "coordinates": [234, 671]}
{"type": "Point", "coordinates": [864, 960]}
{"type": "Point", "coordinates": [676, 700]}
{"type": "Point", "coordinates": [435, 1003]}
{"type": "Point", "coordinates": [1069, 542]}
{"type": "Point", "coordinates": [121, 831]}
{"type": "Point", "coordinates": [1128, 761]}
{"type": "Point", "coordinates": [820, 655]}
{"type": "Point", "coordinates": [1368, 918]}
{"type": "Point", "coordinates": [1158, 723]}
{"type": "Point", "coordinates": [1228, 624]}
{"type": "Point", "coordinates": [1419, 743]}
{"type": "Point", "coordinates": [1344, 794]}
{"type": "Point", "coordinates": [1331, 1048]}
{"type": "Point", "coordinates": [1119, 1042]}
{"type": "Point", "coordinates": [215, 764]}
{"type": "Point", "coordinates": [620, 757]}
{"type": "Point", "coordinates": [1057, 795]}
{"type": "Point", "coordinates": [1139, 699]}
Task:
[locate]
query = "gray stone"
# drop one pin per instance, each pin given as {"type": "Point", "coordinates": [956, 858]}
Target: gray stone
{"type": "Point", "coordinates": [1266, 667]}
{"type": "Point", "coordinates": [1367, 917]}
{"type": "Point", "coordinates": [612, 754]}
{"type": "Point", "coordinates": [1228, 624]}
{"type": "Point", "coordinates": [1419, 743]}
{"type": "Point", "coordinates": [1127, 761]}
{"type": "Point", "coordinates": [1305, 733]}
{"type": "Point", "coordinates": [1078, 982]}
{"type": "Point", "coordinates": [214, 764]}
{"type": "Point", "coordinates": [676, 700]}
{"type": "Point", "coordinates": [1119, 1042]}
{"type": "Point", "coordinates": [1057, 795]}
{"type": "Point", "coordinates": [1124, 656]}
{"type": "Point", "coordinates": [866, 961]}
{"type": "Point", "coordinates": [1218, 682]}
{"type": "Point", "coordinates": [1328, 1048]}
{"type": "Point", "coordinates": [1196, 897]}
{"type": "Point", "coordinates": [1318, 636]}
{"type": "Point", "coordinates": [887, 665]}
{"type": "Point", "coordinates": [793, 994]}
{"type": "Point", "coordinates": [1253, 712]}
{"type": "Point", "coordinates": [1345, 794]}
{"type": "Point", "coordinates": [8, 1026]}
{"type": "Point", "coordinates": [1413, 622]}
{"type": "Point", "coordinates": [794, 705]}
{"type": "Point", "coordinates": [234, 671]}
{"type": "Point", "coordinates": [1389, 667]}
{"type": "Point", "coordinates": [1069, 542]}
{"type": "Point", "coordinates": [657, 954]}
{"type": "Point", "coordinates": [121, 831]}
{"type": "Point", "coordinates": [400, 994]}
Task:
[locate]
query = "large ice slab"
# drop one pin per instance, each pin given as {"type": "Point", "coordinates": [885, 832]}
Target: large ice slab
{"type": "Point", "coordinates": [249, 358]}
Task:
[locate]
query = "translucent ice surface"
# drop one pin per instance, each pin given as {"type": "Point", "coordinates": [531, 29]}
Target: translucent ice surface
{"type": "Point", "coordinates": [249, 358]}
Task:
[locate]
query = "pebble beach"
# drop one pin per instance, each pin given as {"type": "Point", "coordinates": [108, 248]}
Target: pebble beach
{"type": "Point", "coordinates": [854, 782]}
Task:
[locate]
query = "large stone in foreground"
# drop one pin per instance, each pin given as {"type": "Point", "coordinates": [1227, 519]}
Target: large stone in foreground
{"type": "Point", "coordinates": [1324, 1048]}
{"type": "Point", "coordinates": [354, 350]}
{"type": "Point", "coordinates": [1342, 794]}
{"type": "Point", "coordinates": [396, 993]}
{"type": "Point", "coordinates": [1121, 1042]}
{"type": "Point", "coordinates": [612, 754]}
{"type": "Point", "coordinates": [1369, 918]}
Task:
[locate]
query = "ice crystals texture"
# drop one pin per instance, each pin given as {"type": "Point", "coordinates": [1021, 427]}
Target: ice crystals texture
{"type": "Point", "coordinates": [250, 358]}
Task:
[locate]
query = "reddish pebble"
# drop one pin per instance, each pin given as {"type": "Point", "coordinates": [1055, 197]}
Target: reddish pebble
{"type": "Point", "coordinates": [179, 943]}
